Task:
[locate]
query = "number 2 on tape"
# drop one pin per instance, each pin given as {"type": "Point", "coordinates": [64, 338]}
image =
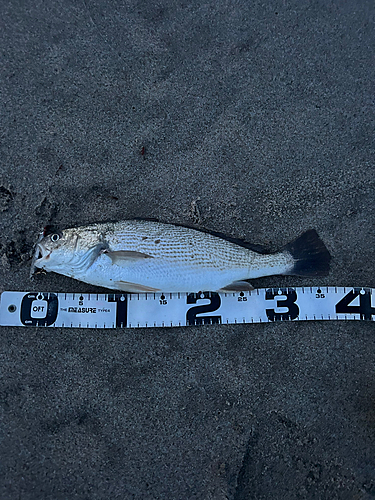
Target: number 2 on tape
{"type": "Point", "coordinates": [191, 315]}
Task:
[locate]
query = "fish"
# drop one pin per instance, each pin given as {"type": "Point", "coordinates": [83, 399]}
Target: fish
{"type": "Point", "coordinates": [140, 256]}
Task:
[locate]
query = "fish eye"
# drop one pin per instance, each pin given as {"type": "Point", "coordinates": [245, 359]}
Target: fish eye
{"type": "Point", "coordinates": [55, 237]}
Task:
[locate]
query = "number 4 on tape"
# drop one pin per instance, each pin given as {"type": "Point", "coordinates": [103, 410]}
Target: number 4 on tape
{"type": "Point", "coordinates": [364, 309]}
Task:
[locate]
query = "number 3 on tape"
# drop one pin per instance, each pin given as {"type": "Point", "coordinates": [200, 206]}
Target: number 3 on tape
{"type": "Point", "coordinates": [287, 300]}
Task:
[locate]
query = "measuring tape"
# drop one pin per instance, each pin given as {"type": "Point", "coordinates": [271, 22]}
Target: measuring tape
{"type": "Point", "coordinates": [72, 310]}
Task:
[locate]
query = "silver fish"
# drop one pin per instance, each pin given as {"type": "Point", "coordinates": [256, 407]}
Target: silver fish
{"type": "Point", "coordinates": [143, 256]}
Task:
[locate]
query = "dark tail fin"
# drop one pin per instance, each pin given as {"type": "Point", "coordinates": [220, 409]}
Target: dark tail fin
{"type": "Point", "coordinates": [310, 254]}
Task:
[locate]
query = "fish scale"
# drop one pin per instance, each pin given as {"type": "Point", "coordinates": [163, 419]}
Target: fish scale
{"type": "Point", "coordinates": [144, 256]}
{"type": "Point", "coordinates": [198, 248]}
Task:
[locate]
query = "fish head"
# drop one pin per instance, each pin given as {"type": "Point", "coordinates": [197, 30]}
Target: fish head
{"type": "Point", "coordinates": [54, 250]}
{"type": "Point", "coordinates": [66, 252]}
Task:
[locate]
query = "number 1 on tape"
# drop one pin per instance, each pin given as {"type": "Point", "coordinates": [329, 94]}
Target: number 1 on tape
{"type": "Point", "coordinates": [114, 310]}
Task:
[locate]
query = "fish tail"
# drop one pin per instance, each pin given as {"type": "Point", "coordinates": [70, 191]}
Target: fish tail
{"type": "Point", "coordinates": [311, 257]}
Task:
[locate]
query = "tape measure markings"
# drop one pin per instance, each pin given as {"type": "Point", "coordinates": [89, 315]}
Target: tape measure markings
{"type": "Point", "coordinates": [113, 310]}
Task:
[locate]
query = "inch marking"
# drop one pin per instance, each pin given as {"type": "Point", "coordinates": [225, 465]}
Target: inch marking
{"type": "Point", "coordinates": [112, 310]}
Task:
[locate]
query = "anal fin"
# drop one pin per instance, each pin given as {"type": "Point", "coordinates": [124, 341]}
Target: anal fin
{"type": "Point", "coordinates": [237, 286]}
{"type": "Point", "coordinates": [127, 286]}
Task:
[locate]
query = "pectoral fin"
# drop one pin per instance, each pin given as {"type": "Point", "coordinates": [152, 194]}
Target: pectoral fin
{"type": "Point", "coordinates": [237, 286]}
{"type": "Point", "coordinates": [123, 258]}
{"type": "Point", "coordinates": [126, 286]}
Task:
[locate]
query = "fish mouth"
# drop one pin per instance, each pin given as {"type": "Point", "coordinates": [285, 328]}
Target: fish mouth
{"type": "Point", "coordinates": [40, 254]}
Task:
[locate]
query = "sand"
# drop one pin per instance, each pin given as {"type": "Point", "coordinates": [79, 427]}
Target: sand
{"type": "Point", "coordinates": [255, 119]}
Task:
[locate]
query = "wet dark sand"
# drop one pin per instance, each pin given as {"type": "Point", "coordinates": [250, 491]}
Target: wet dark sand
{"type": "Point", "coordinates": [255, 119]}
